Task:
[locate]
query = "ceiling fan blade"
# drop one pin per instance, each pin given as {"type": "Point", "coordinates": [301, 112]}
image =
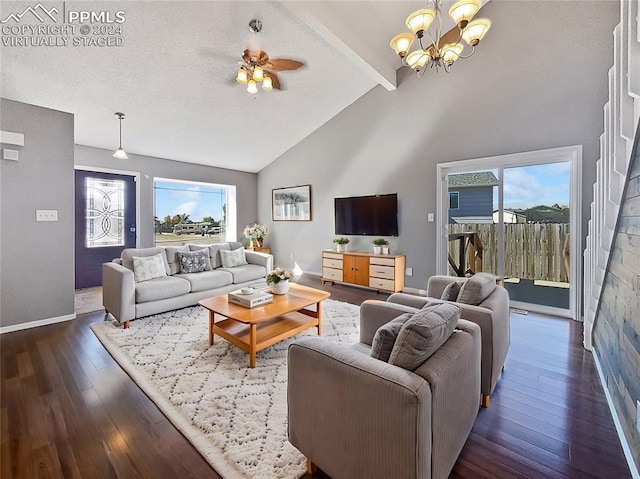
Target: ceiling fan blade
{"type": "Point", "coordinates": [255, 55]}
{"type": "Point", "coordinates": [284, 64]}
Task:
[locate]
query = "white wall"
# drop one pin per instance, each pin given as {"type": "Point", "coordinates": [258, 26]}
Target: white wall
{"type": "Point", "coordinates": [36, 258]}
{"type": "Point", "coordinates": [538, 80]}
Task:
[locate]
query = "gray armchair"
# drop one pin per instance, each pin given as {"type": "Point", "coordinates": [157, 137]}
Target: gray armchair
{"type": "Point", "coordinates": [356, 416]}
{"type": "Point", "coordinates": [491, 314]}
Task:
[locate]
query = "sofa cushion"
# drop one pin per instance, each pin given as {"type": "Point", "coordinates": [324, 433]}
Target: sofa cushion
{"type": "Point", "coordinates": [207, 280]}
{"type": "Point", "coordinates": [161, 288]}
{"type": "Point", "coordinates": [214, 253]}
{"type": "Point", "coordinates": [174, 265]}
{"type": "Point", "coordinates": [194, 261]}
{"type": "Point", "coordinates": [385, 337]}
{"type": "Point", "coordinates": [476, 289]}
{"type": "Point", "coordinates": [233, 258]}
{"type": "Point", "coordinates": [422, 335]}
{"type": "Point", "coordinates": [128, 254]}
{"type": "Point", "coordinates": [451, 291]}
{"type": "Point", "coordinates": [146, 268]}
{"type": "Point", "coordinates": [247, 272]}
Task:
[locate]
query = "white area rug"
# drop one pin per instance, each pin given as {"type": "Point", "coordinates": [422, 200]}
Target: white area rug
{"type": "Point", "coordinates": [234, 415]}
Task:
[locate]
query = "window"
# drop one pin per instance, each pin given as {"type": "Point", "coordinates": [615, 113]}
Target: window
{"type": "Point", "coordinates": [193, 212]}
{"type": "Point", "coordinates": [454, 200]}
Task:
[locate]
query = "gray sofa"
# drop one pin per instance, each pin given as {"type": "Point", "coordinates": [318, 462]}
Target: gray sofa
{"type": "Point", "coordinates": [488, 308]}
{"type": "Point", "coordinates": [127, 299]}
{"type": "Point", "coordinates": [356, 416]}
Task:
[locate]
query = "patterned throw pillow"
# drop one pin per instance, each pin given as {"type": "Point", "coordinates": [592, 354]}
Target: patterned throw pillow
{"type": "Point", "coordinates": [232, 258]}
{"type": "Point", "coordinates": [194, 261]}
{"type": "Point", "coordinates": [148, 267]}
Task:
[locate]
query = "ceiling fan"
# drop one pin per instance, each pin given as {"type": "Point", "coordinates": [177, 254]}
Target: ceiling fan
{"type": "Point", "coordinates": [256, 66]}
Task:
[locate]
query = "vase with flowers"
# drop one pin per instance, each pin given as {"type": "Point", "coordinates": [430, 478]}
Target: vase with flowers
{"type": "Point", "coordinates": [278, 280]}
{"type": "Point", "coordinates": [256, 234]}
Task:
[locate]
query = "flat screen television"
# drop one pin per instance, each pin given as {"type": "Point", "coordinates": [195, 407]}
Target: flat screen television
{"type": "Point", "coordinates": [375, 215]}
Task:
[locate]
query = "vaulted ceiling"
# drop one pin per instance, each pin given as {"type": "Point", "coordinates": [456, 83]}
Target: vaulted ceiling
{"type": "Point", "coordinates": [173, 76]}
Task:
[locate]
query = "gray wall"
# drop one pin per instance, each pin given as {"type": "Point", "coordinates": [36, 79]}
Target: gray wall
{"type": "Point", "coordinates": [36, 258]}
{"type": "Point", "coordinates": [246, 183]}
{"type": "Point", "coordinates": [538, 80]}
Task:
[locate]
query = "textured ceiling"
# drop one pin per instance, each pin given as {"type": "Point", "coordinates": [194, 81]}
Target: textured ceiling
{"type": "Point", "coordinates": [173, 77]}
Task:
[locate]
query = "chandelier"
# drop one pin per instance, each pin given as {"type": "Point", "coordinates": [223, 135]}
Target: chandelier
{"type": "Point", "coordinates": [438, 49]}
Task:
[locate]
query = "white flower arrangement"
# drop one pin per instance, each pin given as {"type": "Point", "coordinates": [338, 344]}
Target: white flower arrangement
{"type": "Point", "coordinates": [256, 231]}
{"type": "Point", "coordinates": [278, 275]}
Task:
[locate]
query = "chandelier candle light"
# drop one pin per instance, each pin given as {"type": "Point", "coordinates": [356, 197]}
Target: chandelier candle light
{"type": "Point", "coordinates": [438, 49]}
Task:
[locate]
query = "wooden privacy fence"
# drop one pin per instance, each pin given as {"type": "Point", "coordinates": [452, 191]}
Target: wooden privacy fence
{"type": "Point", "coordinates": [537, 251]}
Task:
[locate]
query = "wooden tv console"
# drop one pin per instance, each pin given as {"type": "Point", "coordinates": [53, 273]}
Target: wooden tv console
{"type": "Point", "coordinates": [384, 272]}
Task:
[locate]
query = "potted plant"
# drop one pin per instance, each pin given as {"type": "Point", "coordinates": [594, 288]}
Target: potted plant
{"type": "Point", "coordinates": [341, 243]}
{"type": "Point", "coordinates": [256, 234]}
{"type": "Point", "coordinates": [278, 280]}
{"type": "Point", "coordinates": [378, 244]}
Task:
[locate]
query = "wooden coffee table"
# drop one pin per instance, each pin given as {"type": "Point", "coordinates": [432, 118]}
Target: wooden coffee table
{"type": "Point", "coordinates": [253, 329]}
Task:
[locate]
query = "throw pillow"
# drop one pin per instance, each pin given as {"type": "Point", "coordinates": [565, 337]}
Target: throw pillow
{"type": "Point", "coordinates": [148, 267]}
{"type": "Point", "coordinates": [476, 289]}
{"type": "Point", "coordinates": [423, 334]}
{"type": "Point", "coordinates": [385, 337]}
{"type": "Point", "coordinates": [451, 291]}
{"type": "Point", "coordinates": [232, 258]}
{"type": "Point", "coordinates": [194, 261]}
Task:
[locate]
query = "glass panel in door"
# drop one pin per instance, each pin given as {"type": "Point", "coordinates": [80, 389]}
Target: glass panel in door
{"type": "Point", "coordinates": [536, 234]}
{"type": "Point", "coordinates": [472, 229]}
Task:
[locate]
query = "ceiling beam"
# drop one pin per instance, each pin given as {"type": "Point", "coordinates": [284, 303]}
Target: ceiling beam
{"type": "Point", "coordinates": [337, 32]}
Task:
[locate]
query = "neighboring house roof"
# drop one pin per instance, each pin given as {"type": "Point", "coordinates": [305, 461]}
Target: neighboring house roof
{"type": "Point", "coordinates": [466, 180]}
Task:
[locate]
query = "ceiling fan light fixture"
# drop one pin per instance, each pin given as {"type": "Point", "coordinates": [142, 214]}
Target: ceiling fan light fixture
{"type": "Point", "coordinates": [420, 20]}
{"type": "Point", "coordinates": [463, 11]}
{"type": "Point", "coordinates": [242, 76]}
{"type": "Point", "coordinates": [258, 73]}
{"type": "Point", "coordinates": [267, 83]}
{"type": "Point", "coordinates": [252, 87]}
{"type": "Point", "coordinates": [401, 43]}
{"type": "Point", "coordinates": [120, 153]}
{"type": "Point", "coordinates": [475, 31]}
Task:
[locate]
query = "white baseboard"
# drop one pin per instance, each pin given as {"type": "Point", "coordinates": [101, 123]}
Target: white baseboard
{"type": "Point", "coordinates": [616, 420]}
{"type": "Point", "coordinates": [35, 324]}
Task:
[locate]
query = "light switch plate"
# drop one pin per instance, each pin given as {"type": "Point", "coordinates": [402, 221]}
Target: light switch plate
{"type": "Point", "coordinates": [409, 272]}
{"type": "Point", "coordinates": [430, 217]}
{"type": "Point", "coordinates": [46, 215]}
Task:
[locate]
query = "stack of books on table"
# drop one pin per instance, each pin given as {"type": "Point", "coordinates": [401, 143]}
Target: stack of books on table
{"type": "Point", "coordinates": [251, 300]}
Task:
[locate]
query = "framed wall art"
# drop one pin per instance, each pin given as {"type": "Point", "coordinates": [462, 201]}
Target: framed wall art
{"type": "Point", "coordinates": [291, 204]}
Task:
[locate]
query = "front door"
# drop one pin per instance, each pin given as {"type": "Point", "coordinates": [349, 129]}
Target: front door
{"type": "Point", "coordinates": [105, 222]}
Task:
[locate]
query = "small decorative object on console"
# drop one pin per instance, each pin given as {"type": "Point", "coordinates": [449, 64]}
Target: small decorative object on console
{"type": "Point", "coordinates": [378, 244]}
{"type": "Point", "coordinates": [341, 243]}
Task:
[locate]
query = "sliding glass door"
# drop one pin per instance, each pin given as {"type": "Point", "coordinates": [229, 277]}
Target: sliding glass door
{"type": "Point", "coordinates": [516, 216]}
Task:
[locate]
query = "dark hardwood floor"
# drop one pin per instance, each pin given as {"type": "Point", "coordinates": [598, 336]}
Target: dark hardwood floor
{"type": "Point", "coordinates": [69, 411]}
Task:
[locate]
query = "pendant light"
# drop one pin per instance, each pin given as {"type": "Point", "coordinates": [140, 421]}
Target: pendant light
{"type": "Point", "coordinates": [120, 153]}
